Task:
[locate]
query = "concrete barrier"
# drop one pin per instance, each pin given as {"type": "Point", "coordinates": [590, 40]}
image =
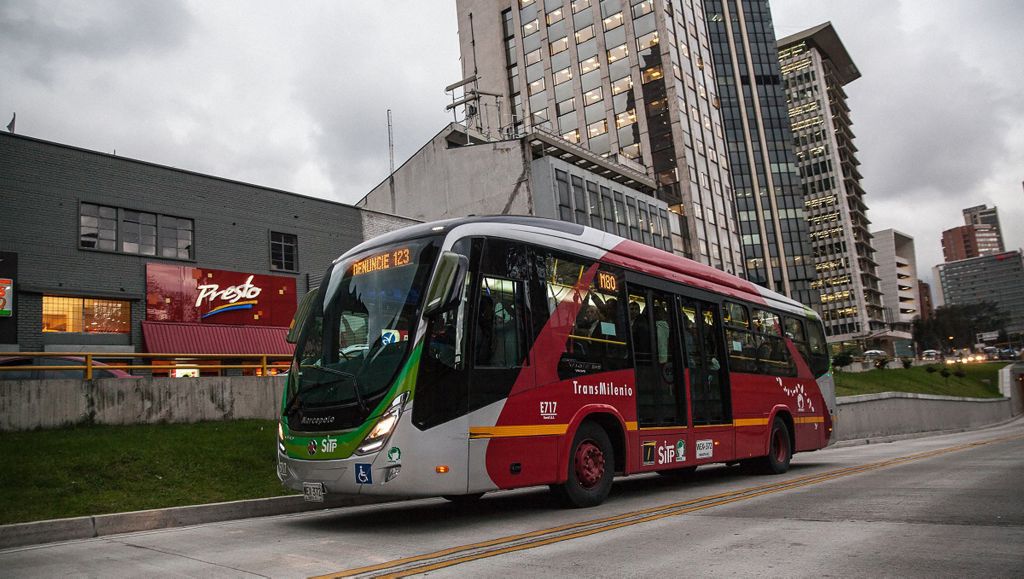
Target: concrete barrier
{"type": "Point", "coordinates": [891, 413]}
{"type": "Point", "coordinates": [31, 404]}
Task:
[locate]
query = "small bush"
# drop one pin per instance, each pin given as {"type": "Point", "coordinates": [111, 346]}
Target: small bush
{"type": "Point", "coordinates": [881, 363]}
{"type": "Point", "coordinates": [959, 372]}
{"type": "Point", "coordinates": [945, 373]}
{"type": "Point", "coordinates": [907, 363]}
{"type": "Point", "coordinates": [841, 359]}
{"type": "Point", "coordinates": [931, 369]}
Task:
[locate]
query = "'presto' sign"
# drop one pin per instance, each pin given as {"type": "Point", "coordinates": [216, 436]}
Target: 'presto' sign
{"type": "Point", "coordinates": [190, 294]}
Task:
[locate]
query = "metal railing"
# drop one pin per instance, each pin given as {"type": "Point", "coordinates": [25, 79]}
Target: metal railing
{"type": "Point", "coordinates": [262, 362]}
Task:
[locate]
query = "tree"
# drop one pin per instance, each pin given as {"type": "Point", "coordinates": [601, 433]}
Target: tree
{"type": "Point", "coordinates": [957, 325]}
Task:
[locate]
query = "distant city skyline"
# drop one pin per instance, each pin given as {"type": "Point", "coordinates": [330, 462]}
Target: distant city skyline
{"type": "Point", "coordinates": [282, 99]}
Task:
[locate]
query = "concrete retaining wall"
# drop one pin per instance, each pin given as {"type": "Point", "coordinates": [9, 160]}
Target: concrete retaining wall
{"type": "Point", "coordinates": [890, 413]}
{"type": "Point", "coordinates": [30, 404]}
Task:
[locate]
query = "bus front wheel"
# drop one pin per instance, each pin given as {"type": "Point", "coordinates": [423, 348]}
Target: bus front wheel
{"type": "Point", "coordinates": [779, 449]}
{"type": "Point", "coordinates": [591, 468]}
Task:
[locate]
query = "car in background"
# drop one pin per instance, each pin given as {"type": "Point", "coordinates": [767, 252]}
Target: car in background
{"type": "Point", "coordinates": [875, 354]}
{"type": "Point", "coordinates": [1008, 354]}
{"type": "Point", "coordinates": [28, 373]}
{"type": "Point", "coordinates": [930, 355]}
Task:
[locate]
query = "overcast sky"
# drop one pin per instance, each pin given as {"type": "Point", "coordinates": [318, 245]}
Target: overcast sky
{"type": "Point", "coordinates": [295, 95]}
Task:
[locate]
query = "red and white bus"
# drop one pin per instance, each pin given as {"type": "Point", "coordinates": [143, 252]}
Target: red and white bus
{"type": "Point", "coordinates": [470, 355]}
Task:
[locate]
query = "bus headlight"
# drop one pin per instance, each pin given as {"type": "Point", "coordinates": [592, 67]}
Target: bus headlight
{"type": "Point", "coordinates": [382, 430]}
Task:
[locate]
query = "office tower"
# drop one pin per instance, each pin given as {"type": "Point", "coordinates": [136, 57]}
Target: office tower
{"type": "Point", "coordinates": [924, 294]}
{"type": "Point", "coordinates": [769, 202]}
{"type": "Point", "coordinates": [897, 270]}
{"type": "Point", "coordinates": [629, 80]}
{"type": "Point", "coordinates": [815, 66]}
{"type": "Point", "coordinates": [995, 278]}
{"type": "Point", "coordinates": [967, 241]}
{"type": "Point", "coordinates": [982, 215]}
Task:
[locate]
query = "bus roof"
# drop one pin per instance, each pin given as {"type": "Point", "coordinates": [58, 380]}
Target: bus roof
{"type": "Point", "coordinates": [617, 250]}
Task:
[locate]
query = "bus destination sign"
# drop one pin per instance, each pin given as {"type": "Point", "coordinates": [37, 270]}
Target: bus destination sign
{"type": "Point", "coordinates": [382, 261]}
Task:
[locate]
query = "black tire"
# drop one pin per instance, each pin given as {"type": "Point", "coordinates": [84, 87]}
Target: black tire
{"type": "Point", "coordinates": [463, 499]}
{"type": "Point", "coordinates": [685, 472]}
{"type": "Point", "coordinates": [780, 449]}
{"type": "Point", "coordinates": [591, 469]}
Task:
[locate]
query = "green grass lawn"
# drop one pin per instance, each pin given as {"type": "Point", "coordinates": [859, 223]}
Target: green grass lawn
{"type": "Point", "coordinates": [91, 470]}
{"type": "Point", "coordinates": [981, 381]}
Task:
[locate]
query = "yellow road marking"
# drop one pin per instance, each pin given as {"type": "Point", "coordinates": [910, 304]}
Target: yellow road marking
{"type": "Point", "coordinates": [540, 538]}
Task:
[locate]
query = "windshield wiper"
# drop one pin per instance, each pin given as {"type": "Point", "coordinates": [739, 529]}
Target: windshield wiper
{"type": "Point", "coordinates": [343, 374]}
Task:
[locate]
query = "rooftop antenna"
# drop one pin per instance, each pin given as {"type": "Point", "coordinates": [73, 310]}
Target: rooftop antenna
{"type": "Point", "coordinates": [391, 157]}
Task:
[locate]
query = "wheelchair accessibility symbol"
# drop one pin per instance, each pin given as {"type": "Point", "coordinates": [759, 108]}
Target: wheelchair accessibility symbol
{"type": "Point", "coordinates": [363, 475]}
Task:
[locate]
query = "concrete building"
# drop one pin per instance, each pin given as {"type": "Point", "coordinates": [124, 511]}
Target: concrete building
{"type": "Point", "coordinates": [983, 215]}
{"type": "Point", "coordinates": [769, 201]}
{"type": "Point", "coordinates": [972, 240]}
{"type": "Point", "coordinates": [106, 253]}
{"type": "Point", "coordinates": [990, 278]}
{"type": "Point", "coordinates": [897, 270]}
{"type": "Point", "coordinates": [624, 80]}
{"type": "Point", "coordinates": [815, 66]}
{"type": "Point", "coordinates": [460, 172]}
{"type": "Point", "coordinates": [924, 294]}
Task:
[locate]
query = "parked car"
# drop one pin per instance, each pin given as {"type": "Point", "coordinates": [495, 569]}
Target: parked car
{"type": "Point", "coordinates": [1008, 354]}
{"type": "Point", "coordinates": [875, 354]}
{"type": "Point", "coordinates": [930, 355]}
{"type": "Point", "coordinates": [27, 373]}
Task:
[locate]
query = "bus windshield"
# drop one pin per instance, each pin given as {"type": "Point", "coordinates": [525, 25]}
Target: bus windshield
{"type": "Point", "coordinates": [357, 335]}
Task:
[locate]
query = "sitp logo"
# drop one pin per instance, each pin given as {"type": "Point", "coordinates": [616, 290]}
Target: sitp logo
{"type": "Point", "coordinates": [328, 444]}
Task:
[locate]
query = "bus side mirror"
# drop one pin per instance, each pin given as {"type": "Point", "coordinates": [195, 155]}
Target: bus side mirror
{"type": "Point", "coordinates": [446, 287]}
{"type": "Point", "coordinates": [301, 313]}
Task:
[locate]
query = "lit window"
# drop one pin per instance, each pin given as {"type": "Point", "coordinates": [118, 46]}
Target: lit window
{"type": "Point", "coordinates": [684, 49]}
{"type": "Point", "coordinates": [653, 73]}
{"type": "Point", "coordinates": [525, 3]}
{"type": "Point", "coordinates": [703, 92]}
{"type": "Point", "coordinates": [645, 7]}
{"type": "Point", "coordinates": [86, 315]}
{"type": "Point", "coordinates": [560, 45]}
{"type": "Point", "coordinates": [563, 75]}
{"type": "Point", "coordinates": [591, 97]}
{"type": "Point", "coordinates": [531, 27]}
{"type": "Point", "coordinates": [598, 128]}
{"type": "Point", "coordinates": [631, 151]}
{"type": "Point", "coordinates": [589, 64]}
{"type": "Point", "coordinates": [584, 34]}
{"type": "Point", "coordinates": [578, 5]}
{"type": "Point", "coordinates": [555, 15]}
{"type": "Point", "coordinates": [613, 21]}
{"type": "Point", "coordinates": [624, 119]}
{"type": "Point", "coordinates": [623, 84]}
{"type": "Point", "coordinates": [572, 136]}
{"type": "Point", "coordinates": [536, 86]}
{"type": "Point", "coordinates": [533, 57]}
{"type": "Point", "coordinates": [283, 251]}
{"type": "Point", "coordinates": [647, 40]}
{"type": "Point", "coordinates": [617, 53]}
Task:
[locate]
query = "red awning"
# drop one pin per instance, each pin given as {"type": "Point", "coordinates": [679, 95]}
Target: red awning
{"type": "Point", "coordinates": [183, 338]}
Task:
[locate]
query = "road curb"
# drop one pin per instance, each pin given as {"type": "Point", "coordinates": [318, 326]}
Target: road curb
{"type": "Point", "coordinates": [911, 435]}
{"type": "Point", "coordinates": [51, 531]}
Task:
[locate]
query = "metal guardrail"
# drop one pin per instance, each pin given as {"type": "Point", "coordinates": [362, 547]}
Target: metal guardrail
{"type": "Point", "coordinates": [265, 361]}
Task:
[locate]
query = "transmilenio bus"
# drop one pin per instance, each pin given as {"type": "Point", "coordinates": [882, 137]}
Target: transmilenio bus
{"type": "Point", "coordinates": [470, 355]}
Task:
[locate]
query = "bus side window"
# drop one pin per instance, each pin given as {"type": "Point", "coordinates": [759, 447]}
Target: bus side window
{"type": "Point", "coordinates": [818, 347]}
{"type": "Point", "coordinates": [773, 356]}
{"type": "Point", "coordinates": [795, 331]}
{"type": "Point", "coordinates": [739, 339]}
{"type": "Point", "coordinates": [499, 336]}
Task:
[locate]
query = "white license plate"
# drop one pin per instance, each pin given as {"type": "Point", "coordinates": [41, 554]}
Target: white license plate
{"type": "Point", "coordinates": [313, 492]}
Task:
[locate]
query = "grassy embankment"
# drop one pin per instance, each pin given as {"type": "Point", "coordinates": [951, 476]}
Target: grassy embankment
{"type": "Point", "coordinates": [91, 470]}
{"type": "Point", "coordinates": [980, 381]}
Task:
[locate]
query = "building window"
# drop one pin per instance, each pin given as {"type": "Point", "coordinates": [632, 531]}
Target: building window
{"type": "Point", "coordinates": [137, 232]}
{"type": "Point", "coordinates": [589, 64]}
{"type": "Point", "coordinates": [284, 251]}
{"type": "Point", "coordinates": [558, 45]}
{"type": "Point", "coordinates": [613, 21]}
{"type": "Point", "coordinates": [623, 84]}
{"type": "Point", "coordinates": [584, 34]}
{"type": "Point", "coordinates": [646, 41]}
{"type": "Point", "coordinates": [617, 53]}
{"type": "Point", "coordinates": [598, 128]}
{"type": "Point", "coordinates": [563, 75]}
{"type": "Point", "coordinates": [86, 315]}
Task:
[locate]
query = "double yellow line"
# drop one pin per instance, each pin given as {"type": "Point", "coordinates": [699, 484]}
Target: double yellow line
{"type": "Point", "coordinates": [482, 550]}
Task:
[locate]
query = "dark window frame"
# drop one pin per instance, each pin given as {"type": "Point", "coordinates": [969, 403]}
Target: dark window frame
{"type": "Point", "coordinates": [283, 243]}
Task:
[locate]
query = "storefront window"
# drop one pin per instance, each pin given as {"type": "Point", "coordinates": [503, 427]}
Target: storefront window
{"type": "Point", "coordinates": [86, 315]}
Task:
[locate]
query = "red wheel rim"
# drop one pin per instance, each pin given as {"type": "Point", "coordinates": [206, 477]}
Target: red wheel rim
{"type": "Point", "coordinates": [779, 445]}
{"type": "Point", "coordinates": [589, 464]}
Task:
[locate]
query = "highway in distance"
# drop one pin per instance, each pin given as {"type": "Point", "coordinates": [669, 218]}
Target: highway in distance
{"type": "Point", "coordinates": [940, 506]}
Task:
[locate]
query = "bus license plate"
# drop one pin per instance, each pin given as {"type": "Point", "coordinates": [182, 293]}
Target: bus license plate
{"type": "Point", "coordinates": [313, 492]}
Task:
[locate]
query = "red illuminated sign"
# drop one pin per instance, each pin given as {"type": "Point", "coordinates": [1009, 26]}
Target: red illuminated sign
{"type": "Point", "coordinates": [190, 294]}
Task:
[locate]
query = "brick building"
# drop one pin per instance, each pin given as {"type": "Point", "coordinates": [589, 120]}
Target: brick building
{"type": "Point", "coordinates": [105, 253]}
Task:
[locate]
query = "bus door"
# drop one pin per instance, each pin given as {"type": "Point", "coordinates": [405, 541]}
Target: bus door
{"type": "Point", "coordinates": [708, 380]}
{"type": "Point", "coordinates": [660, 389]}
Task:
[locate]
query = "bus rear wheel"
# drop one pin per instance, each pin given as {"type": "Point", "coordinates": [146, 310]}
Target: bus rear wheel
{"type": "Point", "coordinates": [591, 468]}
{"type": "Point", "coordinates": [779, 449]}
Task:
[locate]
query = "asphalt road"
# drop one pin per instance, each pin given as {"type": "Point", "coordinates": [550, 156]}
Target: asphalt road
{"type": "Point", "coordinates": [930, 507]}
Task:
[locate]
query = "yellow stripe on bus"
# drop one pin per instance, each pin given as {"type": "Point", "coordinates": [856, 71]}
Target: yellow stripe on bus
{"type": "Point", "coordinates": [750, 422]}
{"type": "Point", "coordinates": [808, 419]}
{"type": "Point", "coordinates": [512, 431]}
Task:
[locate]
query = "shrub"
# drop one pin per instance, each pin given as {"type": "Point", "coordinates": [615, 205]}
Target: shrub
{"type": "Point", "coordinates": [843, 358]}
{"type": "Point", "coordinates": [881, 363]}
{"type": "Point", "coordinates": [945, 373]}
{"type": "Point", "coordinates": [907, 363]}
{"type": "Point", "coordinates": [959, 372]}
{"type": "Point", "coordinates": [931, 369]}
